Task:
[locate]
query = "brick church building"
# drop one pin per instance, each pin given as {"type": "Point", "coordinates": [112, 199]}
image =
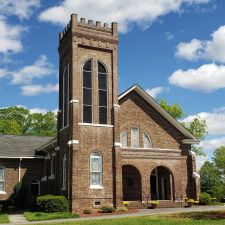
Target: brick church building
{"type": "Point", "coordinates": [109, 148]}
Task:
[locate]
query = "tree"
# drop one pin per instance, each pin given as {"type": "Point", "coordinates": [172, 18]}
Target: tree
{"type": "Point", "coordinates": [197, 126]}
{"type": "Point", "coordinates": [219, 160]}
{"type": "Point", "coordinates": [19, 120]}
{"type": "Point", "coordinates": [9, 127]}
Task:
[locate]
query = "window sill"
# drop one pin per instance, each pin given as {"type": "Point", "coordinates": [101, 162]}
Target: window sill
{"type": "Point", "coordinates": [51, 177]}
{"type": "Point", "coordinates": [2, 193]}
{"type": "Point", "coordinates": [99, 187]}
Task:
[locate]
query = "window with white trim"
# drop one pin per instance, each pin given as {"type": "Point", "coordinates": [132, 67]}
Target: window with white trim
{"type": "Point", "coordinates": [64, 172]}
{"type": "Point", "coordinates": [87, 92]}
{"type": "Point", "coordinates": [135, 137]}
{"type": "Point", "coordinates": [2, 178]}
{"type": "Point", "coordinates": [102, 94]}
{"type": "Point", "coordinates": [95, 169]}
{"type": "Point", "coordinates": [65, 95]}
{"type": "Point", "coordinates": [123, 138]}
{"type": "Point", "coordinates": [147, 141]}
{"type": "Point", "coordinates": [52, 165]}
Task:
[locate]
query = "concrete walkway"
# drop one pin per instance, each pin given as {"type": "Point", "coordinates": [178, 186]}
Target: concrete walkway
{"type": "Point", "coordinates": [17, 218]}
{"type": "Point", "coordinates": [142, 212]}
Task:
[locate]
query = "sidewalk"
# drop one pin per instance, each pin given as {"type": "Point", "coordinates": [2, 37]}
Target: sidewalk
{"type": "Point", "coordinates": [142, 212]}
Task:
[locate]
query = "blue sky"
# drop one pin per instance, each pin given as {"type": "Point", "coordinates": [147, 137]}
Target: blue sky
{"type": "Point", "coordinates": [174, 49]}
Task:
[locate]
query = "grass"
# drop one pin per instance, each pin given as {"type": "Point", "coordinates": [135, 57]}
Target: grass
{"type": "Point", "coordinates": [4, 218]}
{"type": "Point", "coordinates": [192, 218]}
{"type": "Point", "coordinates": [40, 216]}
{"type": "Point", "coordinates": [216, 203]}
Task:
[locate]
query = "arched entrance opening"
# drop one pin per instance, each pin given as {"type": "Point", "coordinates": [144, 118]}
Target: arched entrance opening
{"type": "Point", "coordinates": [132, 190]}
{"type": "Point", "coordinates": [161, 184]}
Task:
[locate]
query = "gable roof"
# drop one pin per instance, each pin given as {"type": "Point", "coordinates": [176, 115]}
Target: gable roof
{"type": "Point", "coordinates": [18, 146]}
{"type": "Point", "coordinates": [190, 137]}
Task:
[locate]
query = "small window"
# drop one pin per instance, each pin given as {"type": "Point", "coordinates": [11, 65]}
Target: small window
{"type": "Point", "coordinates": [87, 92]}
{"type": "Point", "coordinates": [147, 141]}
{"type": "Point", "coordinates": [102, 94]}
{"type": "Point", "coordinates": [64, 172]}
{"type": "Point", "coordinates": [123, 138]}
{"type": "Point", "coordinates": [2, 178]}
{"type": "Point", "coordinates": [35, 188]}
{"type": "Point", "coordinates": [95, 169]}
{"type": "Point", "coordinates": [134, 137]}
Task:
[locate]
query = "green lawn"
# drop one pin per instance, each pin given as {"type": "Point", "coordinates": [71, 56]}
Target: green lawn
{"type": "Point", "coordinates": [196, 218]}
{"type": "Point", "coordinates": [39, 216]}
{"type": "Point", "coordinates": [4, 218]}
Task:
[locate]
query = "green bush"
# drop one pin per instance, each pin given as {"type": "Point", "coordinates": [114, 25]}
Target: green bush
{"type": "Point", "coordinates": [107, 209]}
{"type": "Point", "coordinates": [51, 203]}
{"type": "Point", "coordinates": [87, 211]}
{"type": "Point", "coordinates": [204, 198]}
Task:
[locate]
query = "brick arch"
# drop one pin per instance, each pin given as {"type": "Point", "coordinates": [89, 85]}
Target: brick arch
{"type": "Point", "coordinates": [132, 183]}
{"type": "Point", "coordinates": [162, 184]}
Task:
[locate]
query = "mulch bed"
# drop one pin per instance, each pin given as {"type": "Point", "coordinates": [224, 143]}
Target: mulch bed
{"type": "Point", "coordinates": [96, 213]}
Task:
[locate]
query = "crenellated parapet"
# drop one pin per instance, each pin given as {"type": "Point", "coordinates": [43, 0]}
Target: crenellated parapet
{"type": "Point", "coordinates": [90, 29]}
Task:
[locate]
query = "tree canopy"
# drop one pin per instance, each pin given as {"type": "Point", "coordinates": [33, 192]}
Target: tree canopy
{"type": "Point", "coordinates": [212, 175]}
{"type": "Point", "coordinates": [19, 120]}
{"type": "Point", "coordinates": [197, 126]}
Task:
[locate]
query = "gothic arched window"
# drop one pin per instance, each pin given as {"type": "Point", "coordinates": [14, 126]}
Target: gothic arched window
{"type": "Point", "coordinates": [102, 94]}
{"type": "Point", "coordinates": [2, 178]}
{"type": "Point", "coordinates": [123, 138]}
{"type": "Point", "coordinates": [147, 141]}
{"type": "Point", "coordinates": [87, 92]}
{"type": "Point", "coordinates": [95, 169]}
{"type": "Point", "coordinates": [64, 172]}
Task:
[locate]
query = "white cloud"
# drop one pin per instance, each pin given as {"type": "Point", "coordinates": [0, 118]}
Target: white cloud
{"type": "Point", "coordinates": [154, 92]}
{"type": "Point", "coordinates": [215, 120]}
{"type": "Point", "coordinates": [20, 8]}
{"type": "Point", "coordinates": [43, 111]}
{"type": "Point", "coordinates": [10, 37]}
{"type": "Point", "coordinates": [40, 68]}
{"type": "Point", "coordinates": [189, 51]}
{"type": "Point", "coordinates": [31, 90]}
{"type": "Point", "coordinates": [169, 36]}
{"type": "Point", "coordinates": [142, 12]}
{"type": "Point", "coordinates": [200, 160]}
{"type": "Point", "coordinates": [213, 50]}
{"type": "Point", "coordinates": [206, 78]}
{"type": "Point", "coordinates": [3, 73]}
{"type": "Point", "coordinates": [212, 144]}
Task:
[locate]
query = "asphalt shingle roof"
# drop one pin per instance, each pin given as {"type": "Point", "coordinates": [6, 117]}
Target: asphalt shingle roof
{"type": "Point", "coordinates": [21, 146]}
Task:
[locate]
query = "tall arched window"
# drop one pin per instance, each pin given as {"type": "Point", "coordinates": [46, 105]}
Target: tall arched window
{"type": "Point", "coordinates": [64, 172]}
{"type": "Point", "coordinates": [2, 178]}
{"type": "Point", "coordinates": [102, 94]}
{"type": "Point", "coordinates": [134, 137]}
{"type": "Point", "coordinates": [147, 141]}
{"type": "Point", "coordinates": [65, 95]}
{"type": "Point", "coordinates": [95, 169]}
{"type": "Point", "coordinates": [123, 138]}
{"type": "Point", "coordinates": [87, 92]}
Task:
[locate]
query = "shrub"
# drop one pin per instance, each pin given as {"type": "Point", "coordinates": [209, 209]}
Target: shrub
{"type": "Point", "coordinates": [204, 198]}
{"type": "Point", "coordinates": [51, 203]}
{"type": "Point", "coordinates": [107, 209]}
{"type": "Point", "coordinates": [122, 209]}
{"type": "Point", "coordinates": [19, 195]}
{"type": "Point", "coordinates": [87, 211]}
{"type": "Point", "coordinates": [125, 203]}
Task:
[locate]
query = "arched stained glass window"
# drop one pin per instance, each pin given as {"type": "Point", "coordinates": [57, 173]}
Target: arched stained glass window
{"type": "Point", "coordinates": [102, 94]}
{"type": "Point", "coordinates": [134, 137]}
{"type": "Point", "coordinates": [2, 178]}
{"type": "Point", "coordinates": [123, 138]}
{"type": "Point", "coordinates": [95, 169]}
{"type": "Point", "coordinates": [147, 141]}
{"type": "Point", "coordinates": [64, 172]}
{"type": "Point", "coordinates": [87, 92]}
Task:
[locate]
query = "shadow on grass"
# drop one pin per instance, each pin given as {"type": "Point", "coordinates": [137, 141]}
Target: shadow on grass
{"type": "Point", "coordinates": [209, 215]}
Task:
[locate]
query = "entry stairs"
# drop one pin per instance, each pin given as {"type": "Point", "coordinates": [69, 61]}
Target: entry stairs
{"type": "Point", "coordinates": [162, 204]}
